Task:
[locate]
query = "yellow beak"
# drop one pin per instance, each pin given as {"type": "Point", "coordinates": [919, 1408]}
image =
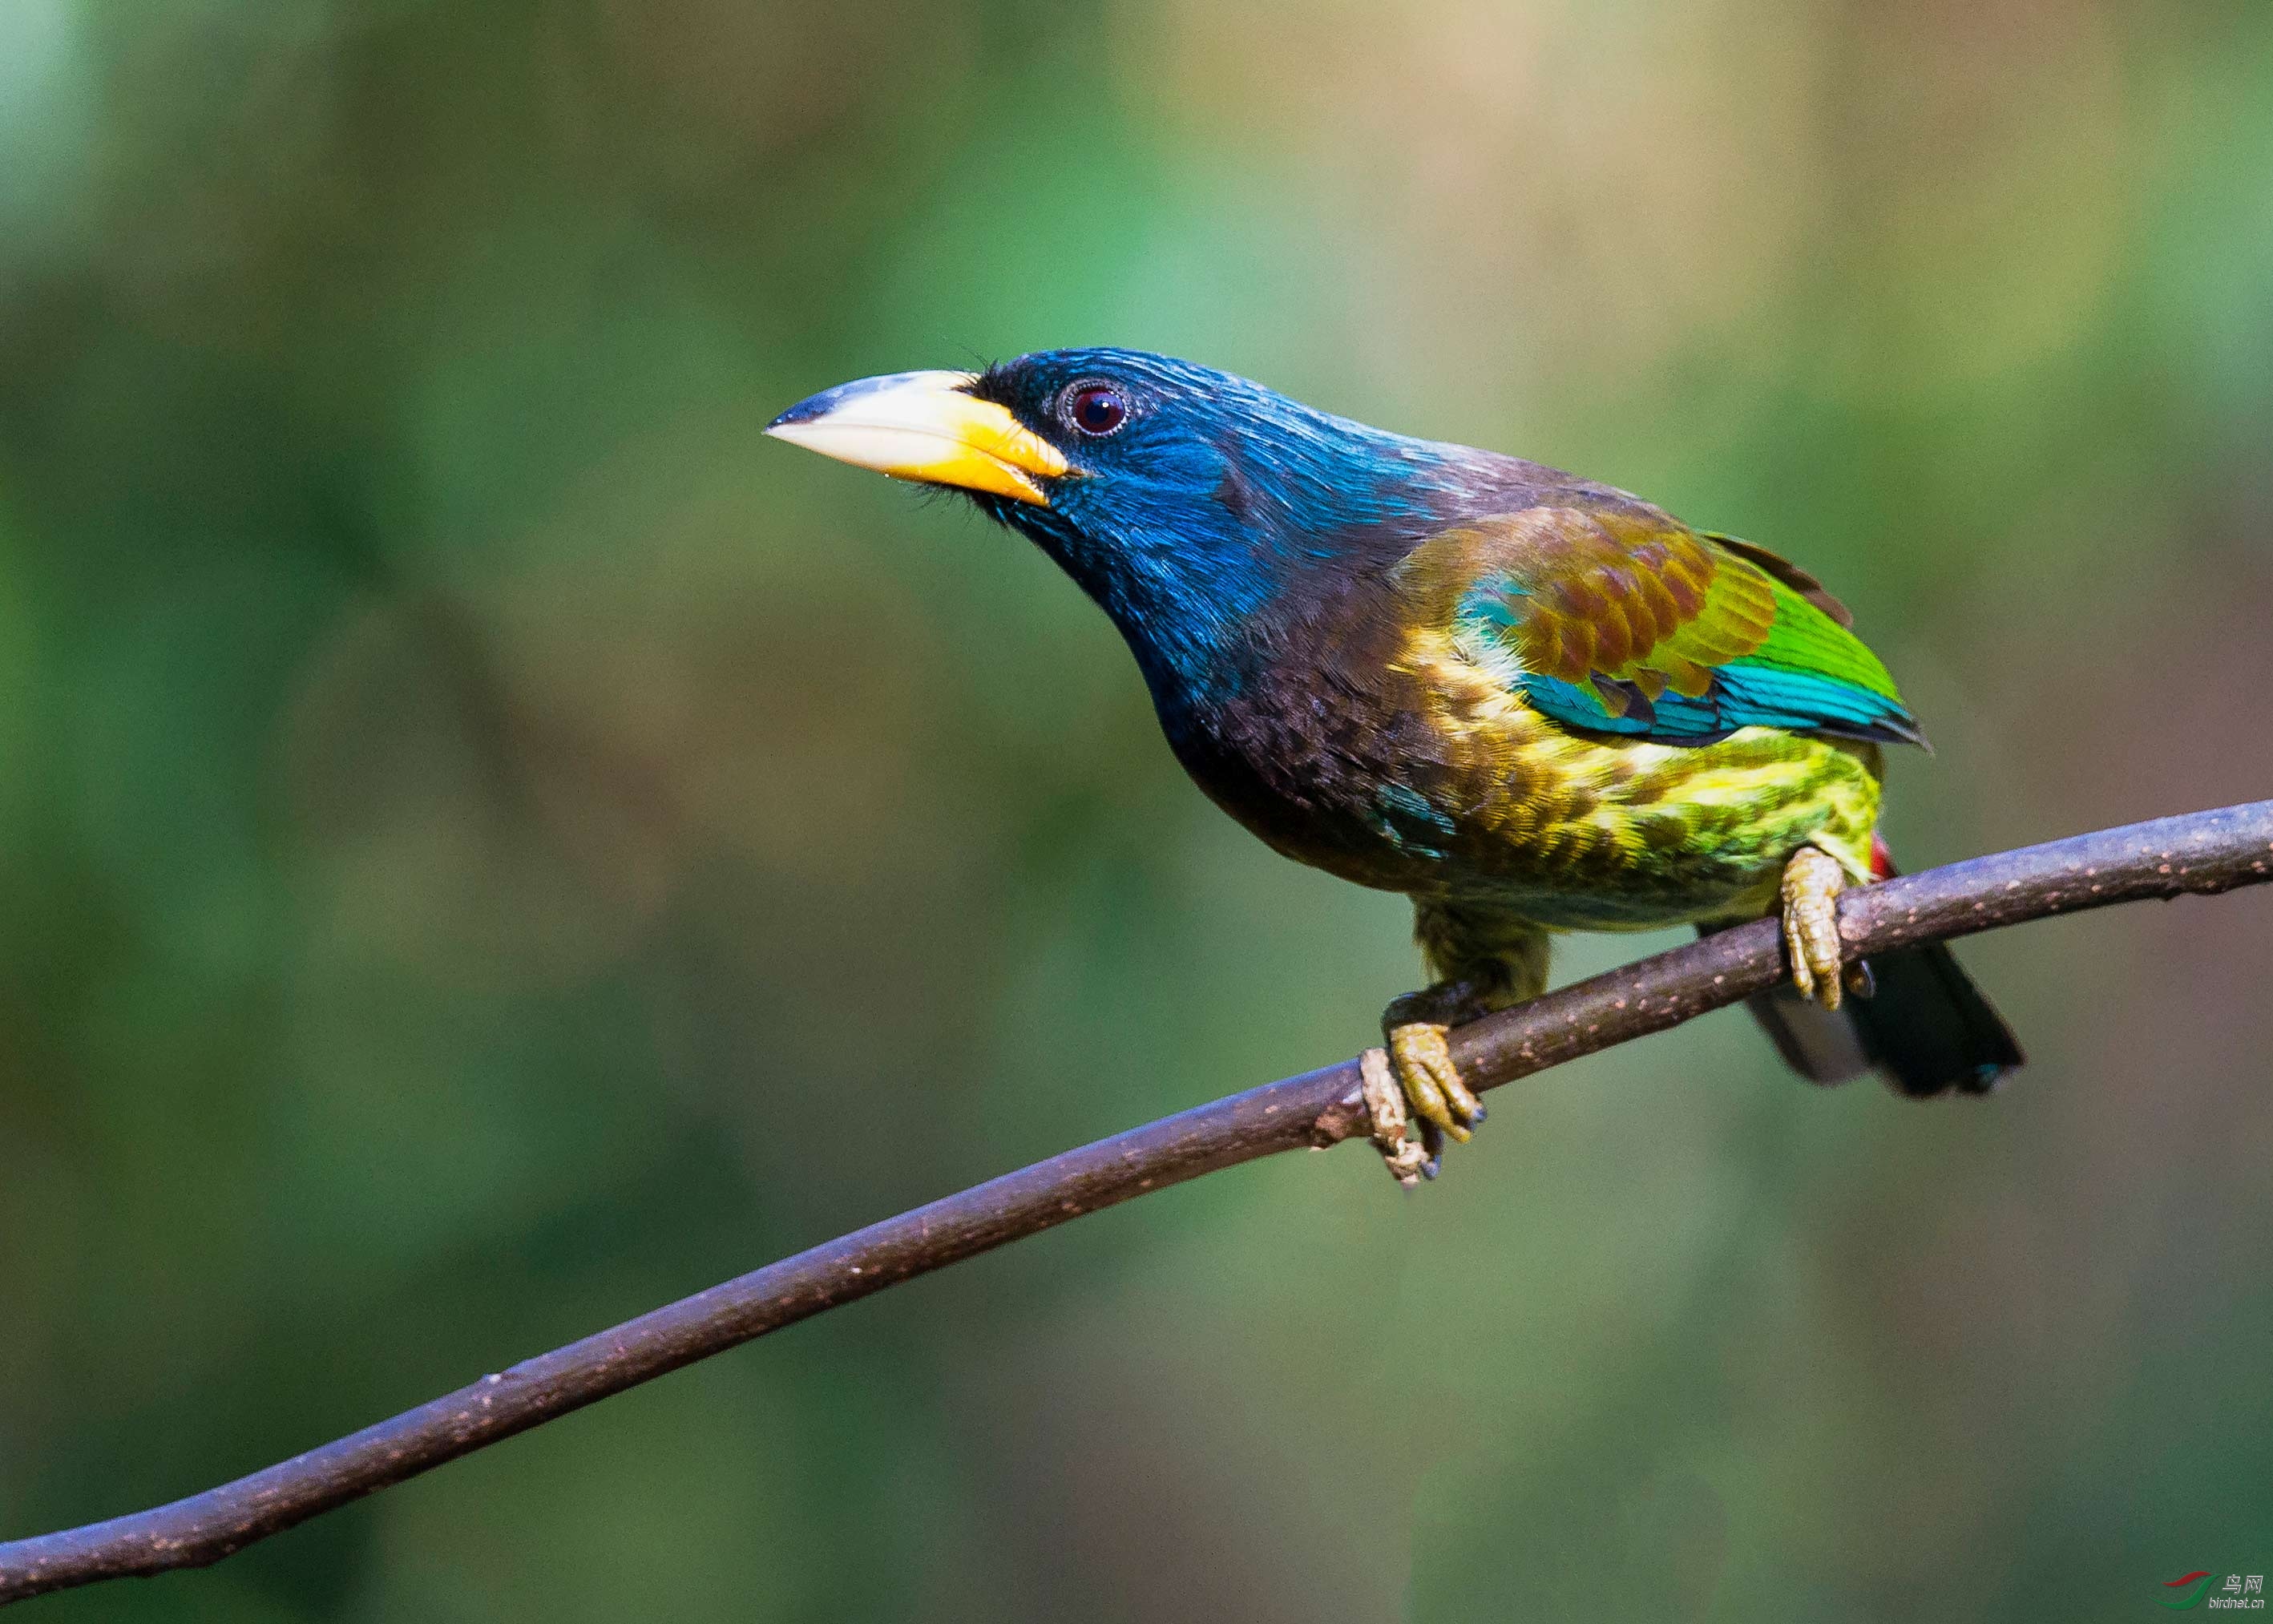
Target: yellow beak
{"type": "Point", "coordinates": [926, 427]}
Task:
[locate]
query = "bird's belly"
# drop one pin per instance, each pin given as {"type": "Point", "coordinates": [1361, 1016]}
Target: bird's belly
{"type": "Point", "coordinates": [1491, 802]}
{"type": "Point", "coordinates": [1606, 834]}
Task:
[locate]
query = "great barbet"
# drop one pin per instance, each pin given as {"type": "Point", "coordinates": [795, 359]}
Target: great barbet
{"type": "Point", "coordinates": [1530, 702]}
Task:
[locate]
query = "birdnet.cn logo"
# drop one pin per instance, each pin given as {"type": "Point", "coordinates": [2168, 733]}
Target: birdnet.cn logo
{"type": "Point", "coordinates": [2201, 1589]}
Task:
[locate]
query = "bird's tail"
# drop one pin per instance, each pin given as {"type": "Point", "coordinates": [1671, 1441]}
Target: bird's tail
{"type": "Point", "coordinates": [1926, 1027]}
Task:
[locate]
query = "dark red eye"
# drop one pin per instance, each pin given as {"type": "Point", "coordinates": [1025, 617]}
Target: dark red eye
{"type": "Point", "coordinates": [1096, 409]}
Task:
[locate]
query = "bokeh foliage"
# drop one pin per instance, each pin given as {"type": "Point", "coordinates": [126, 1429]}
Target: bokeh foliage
{"type": "Point", "coordinates": [489, 843]}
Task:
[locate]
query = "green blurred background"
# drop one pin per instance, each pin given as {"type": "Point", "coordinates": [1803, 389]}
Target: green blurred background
{"type": "Point", "coordinates": [464, 790]}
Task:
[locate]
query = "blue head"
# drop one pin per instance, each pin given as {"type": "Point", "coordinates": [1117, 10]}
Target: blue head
{"type": "Point", "coordinates": [1199, 509]}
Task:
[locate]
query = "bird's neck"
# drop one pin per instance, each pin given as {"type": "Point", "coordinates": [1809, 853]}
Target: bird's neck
{"type": "Point", "coordinates": [1203, 621]}
{"type": "Point", "coordinates": [1197, 640]}
{"type": "Point", "coordinates": [1189, 616]}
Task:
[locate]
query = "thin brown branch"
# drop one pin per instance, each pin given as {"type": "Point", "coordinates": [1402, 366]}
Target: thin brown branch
{"type": "Point", "coordinates": [2201, 853]}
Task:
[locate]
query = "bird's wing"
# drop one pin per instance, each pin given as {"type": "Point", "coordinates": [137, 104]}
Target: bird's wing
{"type": "Point", "coordinates": [1612, 617]}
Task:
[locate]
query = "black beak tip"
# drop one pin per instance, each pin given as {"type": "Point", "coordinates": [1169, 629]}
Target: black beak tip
{"type": "Point", "coordinates": [805, 412]}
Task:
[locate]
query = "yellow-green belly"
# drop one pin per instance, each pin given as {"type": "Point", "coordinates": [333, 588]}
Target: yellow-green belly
{"type": "Point", "coordinates": [1593, 834]}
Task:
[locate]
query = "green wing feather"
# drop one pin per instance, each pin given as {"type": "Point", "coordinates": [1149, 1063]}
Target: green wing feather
{"type": "Point", "coordinates": [1613, 617]}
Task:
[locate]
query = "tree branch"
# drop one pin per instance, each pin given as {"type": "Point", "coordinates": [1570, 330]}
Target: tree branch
{"type": "Point", "coordinates": [2201, 854]}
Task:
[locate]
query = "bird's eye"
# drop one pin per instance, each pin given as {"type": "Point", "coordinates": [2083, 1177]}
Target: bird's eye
{"type": "Point", "coordinates": [1096, 409]}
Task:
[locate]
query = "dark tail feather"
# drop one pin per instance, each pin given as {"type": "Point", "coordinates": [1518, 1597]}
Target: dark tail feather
{"type": "Point", "coordinates": [1927, 1028]}
{"type": "Point", "coordinates": [1821, 1045]}
{"type": "Point", "coordinates": [1930, 1028]}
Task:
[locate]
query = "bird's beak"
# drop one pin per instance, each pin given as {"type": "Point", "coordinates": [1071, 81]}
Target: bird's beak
{"type": "Point", "coordinates": [926, 427]}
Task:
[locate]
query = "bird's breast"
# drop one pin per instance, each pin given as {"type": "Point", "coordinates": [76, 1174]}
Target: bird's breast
{"type": "Point", "coordinates": [1333, 763]}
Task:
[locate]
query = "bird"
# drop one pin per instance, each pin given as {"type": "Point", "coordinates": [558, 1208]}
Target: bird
{"type": "Point", "coordinates": [1531, 703]}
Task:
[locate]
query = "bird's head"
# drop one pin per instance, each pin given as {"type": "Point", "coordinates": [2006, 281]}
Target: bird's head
{"type": "Point", "coordinates": [1198, 508]}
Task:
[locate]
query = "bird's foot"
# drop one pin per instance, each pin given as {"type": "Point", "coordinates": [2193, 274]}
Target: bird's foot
{"type": "Point", "coordinates": [1421, 1052]}
{"type": "Point", "coordinates": [1812, 880]}
{"type": "Point", "coordinates": [1414, 1078]}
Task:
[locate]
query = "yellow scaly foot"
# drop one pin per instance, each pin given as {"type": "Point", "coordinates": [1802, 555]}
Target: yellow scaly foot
{"type": "Point", "coordinates": [1812, 880]}
{"type": "Point", "coordinates": [1415, 1077]}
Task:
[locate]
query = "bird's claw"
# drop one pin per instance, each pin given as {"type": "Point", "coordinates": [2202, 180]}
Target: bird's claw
{"type": "Point", "coordinates": [1415, 1073]}
{"type": "Point", "coordinates": [1421, 1052]}
{"type": "Point", "coordinates": [1415, 1077]}
{"type": "Point", "coordinates": [1813, 881]}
